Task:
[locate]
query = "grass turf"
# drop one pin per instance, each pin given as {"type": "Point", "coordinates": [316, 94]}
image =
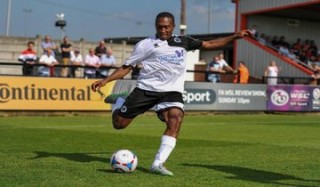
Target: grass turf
{"type": "Point", "coordinates": [212, 150]}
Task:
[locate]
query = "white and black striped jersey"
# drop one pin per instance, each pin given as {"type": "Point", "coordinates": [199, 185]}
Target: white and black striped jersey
{"type": "Point", "coordinates": [163, 62]}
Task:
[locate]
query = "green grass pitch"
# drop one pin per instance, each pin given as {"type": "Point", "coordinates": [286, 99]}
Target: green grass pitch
{"type": "Point", "coordinates": [213, 150]}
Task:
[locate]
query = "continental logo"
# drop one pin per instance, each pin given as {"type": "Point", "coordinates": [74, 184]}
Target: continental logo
{"type": "Point", "coordinates": [32, 92]}
{"type": "Point", "coordinates": [199, 96]}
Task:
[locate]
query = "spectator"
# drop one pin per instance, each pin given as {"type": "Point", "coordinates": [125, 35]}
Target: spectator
{"type": "Point", "coordinates": [242, 75]}
{"type": "Point", "coordinates": [202, 61]}
{"type": "Point", "coordinates": [76, 60]}
{"type": "Point", "coordinates": [283, 42]}
{"type": "Point", "coordinates": [271, 73]}
{"type": "Point", "coordinates": [106, 61]}
{"type": "Point", "coordinates": [222, 68]}
{"type": "Point", "coordinates": [275, 41]}
{"type": "Point", "coordinates": [93, 63]}
{"type": "Point", "coordinates": [283, 50]}
{"type": "Point", "coordinates": [213, 68]}
{"type": "Point", "coordinates": [316, 74]}
{"type": "Point", "coordinates": [314, 47]}
{"type": "Point", "coordinates": [306, 45]}
{"type": "Point", "coordinates": [297, 46]}
{"type": "Point", "coordinates": [309, 53]}
{"type": "Point", "coordinates": [28, 57]}
{"type": "Point", "coordinates": [48, 61]}
{"type": "Point", "coordinates": [268, 41]}
{"type": "Point", "coordinates": [312, 60]}
{"type": "Point", "coordinates": [317, 61]}
{"type": "Point", "coordinates": [292, 55]}
{"type": "Point", "coordinates": [48, 44]}
{"type": "Point", "coordinates": [254, 31]}
{"type": "Point", "coordinates": [223, 64]}
{"type": "Point", "coordinates": [303, 57]}
{"type": "Point", "coordinates": [100, 49]}
{"type": "Point", "coordinates": [65, 47]}
{"type": "Point", "coordinates": [262, 39]}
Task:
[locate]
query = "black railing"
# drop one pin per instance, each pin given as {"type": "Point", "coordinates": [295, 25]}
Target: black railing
{"type": "Point", "coordinates": [229, 75]}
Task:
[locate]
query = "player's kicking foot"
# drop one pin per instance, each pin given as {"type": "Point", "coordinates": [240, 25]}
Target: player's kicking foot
{"type": "Point", "coordinates": [160, 170]}
{"type": "Point", "coordinates": [113, 97]}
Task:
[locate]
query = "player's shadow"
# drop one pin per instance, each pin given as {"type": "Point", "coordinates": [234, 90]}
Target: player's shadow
{"type": "Point", "coordinates": [77, 157]}
{"type": "Point", "coordinates": [254, 175]}
{"type": "Point", "coordinates": [81, 157]}
{"type": "Point", "coordinates": [111, 171]}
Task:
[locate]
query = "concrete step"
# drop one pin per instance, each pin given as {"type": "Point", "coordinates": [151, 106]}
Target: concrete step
{"type": "Point", "coordinates": [12, 47]}
{"type": "Point", "coordinates": [10, 70]}
{"type": "Point", "coordinates": [9, 55]}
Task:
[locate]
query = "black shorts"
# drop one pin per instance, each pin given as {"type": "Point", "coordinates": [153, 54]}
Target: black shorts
{"type": "Point", "coordinates": [139, 101]}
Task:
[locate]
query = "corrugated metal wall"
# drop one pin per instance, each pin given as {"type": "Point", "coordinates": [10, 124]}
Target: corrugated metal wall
{"type": "Point", "coordinates": [258, 59]}
{"type": "Point", "coordinates": [278, 26]}
{"type": "Point", "coordinates": [253, 5]}
{"type": "Point", "coordinates": [246, 6]}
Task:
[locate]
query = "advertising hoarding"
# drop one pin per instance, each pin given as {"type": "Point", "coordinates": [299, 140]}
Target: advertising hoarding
{"type": "Point", "coordinates": [293, 98]}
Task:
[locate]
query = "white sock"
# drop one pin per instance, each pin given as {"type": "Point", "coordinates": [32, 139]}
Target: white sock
{"type": "Point", "coordinates": [166, 147]}
{"type": "Point", "coordinates": [118, 104]}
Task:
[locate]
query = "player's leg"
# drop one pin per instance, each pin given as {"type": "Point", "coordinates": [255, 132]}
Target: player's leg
{"type": "Point", "coordinates": [118, 121]}
{"type": "Point", "coordinates": [173, 117]}
{"type": "Point", "coordinates": [125, 109]}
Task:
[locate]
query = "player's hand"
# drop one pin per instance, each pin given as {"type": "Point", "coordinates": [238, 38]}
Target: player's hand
{"type": "Point", "coordinates": [245, 33]}
{"type": "Point", "coordinates": [97, 85]}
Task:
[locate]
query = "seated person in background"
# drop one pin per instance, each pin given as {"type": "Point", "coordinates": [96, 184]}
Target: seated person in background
{"type": "Point", "coordinates": [297, 46]}
{"type": "Point", "coordinates": [303, 58]}
{"type": "Point", "coordinates": [93, 63]}
{"type": "Point", "coordinates": [48, 61]}
{"type": "Point", "coordinates": [283, 50]}
{"type": "Point", "coordinates": [313, 46]}
{"type": "Point", "coordinates": [262, 38]}
{"type": "Point", "coordinates": [306, 45]}
{"type": "Point", "coordinates": [268, 41]}
{"type": "Point", "coordinates": [317, 61]}
{"type": "Point", "coordinates": [275, 41]}
{"type": "Point", "coordinates": [283, 42]}
{"type": "Point", "coordinates": [106, 61]}
{"type": "Point", "coordinates": [254, 31]}
{"type": "Point", "coordinates": [76, 60]}
{"type": "Point", "coordinates": [28, 57]}
{"type": "Point", "coordinates": [292, 55]}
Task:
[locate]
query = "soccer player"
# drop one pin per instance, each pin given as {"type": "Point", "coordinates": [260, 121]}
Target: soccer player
{"type": "Point", "coordinates": [160, 83]}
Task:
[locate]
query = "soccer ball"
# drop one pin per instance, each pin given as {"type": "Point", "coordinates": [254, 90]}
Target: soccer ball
{"type": "Point", "coordinates": [124, 161]}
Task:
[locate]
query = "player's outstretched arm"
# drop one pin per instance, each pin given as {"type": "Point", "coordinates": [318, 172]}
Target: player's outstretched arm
{"type": "Point", "coordinates": [118, 74]}
{"type": "Point", "coordinates": [220, 42]}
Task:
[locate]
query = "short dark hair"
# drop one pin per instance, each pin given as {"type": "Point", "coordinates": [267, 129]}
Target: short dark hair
{"type": "Point", "coordinates": [165, 14]}
{"type": "Point", "coordinates": [30, 42]}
